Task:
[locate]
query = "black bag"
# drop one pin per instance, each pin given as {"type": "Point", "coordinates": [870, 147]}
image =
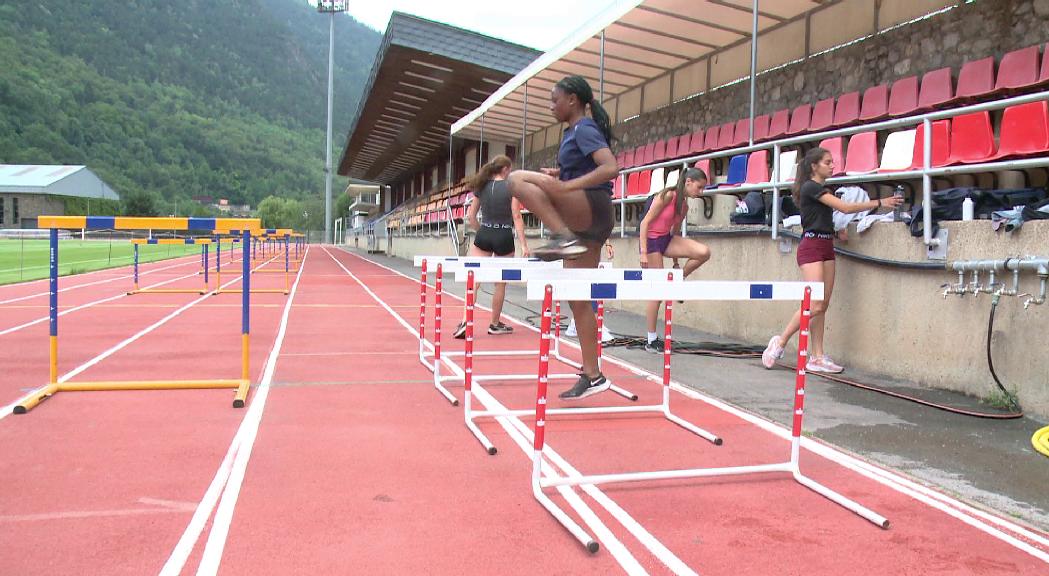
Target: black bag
{"type": "Point", "coordinates": [989, 201]}
{"type": "Point", "coordinates": [644, 211]}
{"type": "Point", "coordinates": [946, 205]}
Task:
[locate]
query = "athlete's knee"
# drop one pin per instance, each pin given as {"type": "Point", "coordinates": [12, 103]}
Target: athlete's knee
{"type": "Point", "coordinates": [701, 253]}
{"type": "Point", "coordinates": [515, 180]}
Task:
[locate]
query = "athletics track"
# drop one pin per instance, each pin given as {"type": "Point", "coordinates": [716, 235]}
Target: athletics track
{"type": "Point", "coordinates": [347, 461]}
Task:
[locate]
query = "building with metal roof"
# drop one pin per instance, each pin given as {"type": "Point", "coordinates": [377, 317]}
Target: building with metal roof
{"type": "Point", "coordinates": [426, 75]}
{"type": "Point", "coordinates": [27, 191]}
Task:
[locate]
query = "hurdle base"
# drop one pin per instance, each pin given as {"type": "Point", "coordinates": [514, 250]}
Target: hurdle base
{"type": "Point", "coordinates": [168, 291]}
{"type": "Point", "coordinates": [253, 291]}
{"type": "Point", "coordinates": [31, 401]}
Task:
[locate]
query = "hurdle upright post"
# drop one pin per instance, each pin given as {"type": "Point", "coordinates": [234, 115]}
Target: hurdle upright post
{"type": "Point", "coordinates": [437, 293]}
{"type": "Point", "coordinates": [245, 374]}
{"type": "Point", "coordinates": [207, 253]}
{"type": "Point", "coordinates": [287, 264]}
{"type": "Point", "coordinates": [136, 267]}
{"type": "Point", "coordinates": [539, 437]}
{"type": "Point", "coordinates": [600, 329]}
{"type": "Point", "coordinates": [422, 313]}
{"type": "Point", "coordinates": [469, 365]}
{"type": "Point", "coordinates": [53, 308]}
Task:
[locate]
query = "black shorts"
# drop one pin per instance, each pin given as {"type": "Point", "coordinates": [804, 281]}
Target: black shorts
{"type": "Point", "coordinates": [498, 241]}
{"type": "Point", "coordinates": [601, 219]}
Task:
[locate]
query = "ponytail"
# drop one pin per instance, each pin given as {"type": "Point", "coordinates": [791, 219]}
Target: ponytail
{"type": "Point", "coordinates": [578, 85]}
{"type": "Point", "coordinates": [804, 171]}
{"type": "Point", "coordinates": [679, 189]}
{"type": "Point", "coordinates": [487, 172]}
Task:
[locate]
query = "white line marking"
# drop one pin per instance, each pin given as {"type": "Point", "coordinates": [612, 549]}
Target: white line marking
{"type": "Point", "coordinates": [230, 474]}
{"type": "Point", "coordinates": [513, 426]}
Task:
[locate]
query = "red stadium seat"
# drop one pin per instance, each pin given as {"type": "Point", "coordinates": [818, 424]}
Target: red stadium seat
{"type": "Point", "coordinates": [710, 141]}
{"type": "Point", "coordinates": [683, 143]}
{"type": "Point", "coordinates": [903, 96]}
{"type": "Point", "coordinates": [875, 103]}
{"type": "Point", "coordinates": [862, 155]}
{"type": "Point", "coordinates": [704, 165]}
{"type": "Point", "coordinates": [976, 79]}
{"type": "Point", "coordinates": [648, 155]}
{"type": "Point", "coordinates": [628, 160]}
{"type": "Point", "coordinates": [671, 151]}
{"type": "Point", "coordinates": [726, 136]}
{"type": "Point", "coordinates": [741, 133]}
{"type": "Point", "coordinates": [761, 127]}
{"type": "Point", "coordinates": [937, 89]}
{"type": "Point", "coordinates": [633, 181]}
{"type": "Point", "coordinates": [1043, 78]}
{"type": "Point", "coordinates": [941, 152]}
{"type": "Point", "coordinates": [644, 182]}
{"type": "Point", "coordinates": [617, 187]}
{"type": "Point", "coordinates": [972, 139]}
{"type": "Point", "coordinates": [1025, 130]}
{"type": "Point", "coordinates": [696, 145]}
{"type": "Point", "coordinates": [659, 153]}
{"type": "Point", "coordinates": [835, 146]}
{"type": "Point", "coordinates": [822, 115]}
{"type": "Point", "coordinates": [779, 124]}
{"type": "Point", "coordinates": [1018, 69]}
{"type": "Point", "coordinates": [847, 110]}
{"type": "Point", "coordinates": [799, 119]}
{"type": "Point", "coordinates": [758, 167]}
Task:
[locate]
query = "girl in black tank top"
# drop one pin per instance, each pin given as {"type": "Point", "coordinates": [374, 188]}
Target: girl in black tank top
{"type": "Point", "coordinates": [816, 253]}
{"type": "Point", "coordinates": [500, 216]}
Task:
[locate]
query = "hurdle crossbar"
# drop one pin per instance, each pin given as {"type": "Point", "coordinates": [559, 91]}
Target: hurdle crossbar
{"type": "Point", "coordinates": [670, 291]}
{"type": "Point", "coordinates": [253, 266]}
{"type": "Point", "coordinates": [54, 223]}
{"type": "Point", "coordinates": [205, 244]}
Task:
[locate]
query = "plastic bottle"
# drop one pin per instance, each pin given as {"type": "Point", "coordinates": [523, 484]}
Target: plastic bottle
{"type": "Point", "coordinates": [967, 209]}
{"type": "Point", "coordinates": [896, 212]}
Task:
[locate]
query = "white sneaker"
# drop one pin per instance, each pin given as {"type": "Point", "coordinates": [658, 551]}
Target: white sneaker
{"type": "Point", "coordinates": [773, 352]}
{"type": "Point", "coordinates": [823, 364]}
{"type": "Point", "coordinates": [606, 335]}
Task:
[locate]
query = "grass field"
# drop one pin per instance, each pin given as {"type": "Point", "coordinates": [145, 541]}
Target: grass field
{"type": "Point", "coordinates": [22, 260]}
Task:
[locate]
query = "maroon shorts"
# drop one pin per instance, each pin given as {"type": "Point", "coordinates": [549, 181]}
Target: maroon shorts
{"type": "Point", "coordinates": [659, 244]}
{"type": "Point", "coordinates": [814, 249]}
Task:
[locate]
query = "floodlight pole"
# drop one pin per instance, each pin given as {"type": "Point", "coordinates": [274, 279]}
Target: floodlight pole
{"type": "Point", "coordinates": [331, 7]}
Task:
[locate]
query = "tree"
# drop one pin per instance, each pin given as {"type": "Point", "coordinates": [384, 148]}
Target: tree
{"type": "Point", "coordinates": [140, 203]}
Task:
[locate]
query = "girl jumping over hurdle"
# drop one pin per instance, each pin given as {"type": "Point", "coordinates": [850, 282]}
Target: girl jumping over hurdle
{"type": "Point", "coordinates": [660, 238]}
{"type": "Point", "coordinates": [817, 204]}
{"type": "Point", "coordinates": [500, 216]}
{"type": "Point", "coordinates": [575, 202]}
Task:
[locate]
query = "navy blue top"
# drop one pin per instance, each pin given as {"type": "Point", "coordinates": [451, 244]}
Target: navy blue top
{"type": "Point", "coordinates": [575, 158]}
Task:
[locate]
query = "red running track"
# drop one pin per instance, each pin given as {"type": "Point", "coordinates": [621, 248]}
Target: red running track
{"type": "Point", "coordinates": [359, 466]}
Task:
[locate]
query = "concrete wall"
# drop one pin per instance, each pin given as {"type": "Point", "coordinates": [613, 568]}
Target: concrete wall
{"type": "Point", "coordinates": [29, 207]}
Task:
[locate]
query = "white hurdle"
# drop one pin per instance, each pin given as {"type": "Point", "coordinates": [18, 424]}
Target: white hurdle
{"type": "Point", "coordinates": [514, 274]}
{"type": "Point", "coordinates": [582, 288]}
{"type": "Point", "coordinates": [453, 263]}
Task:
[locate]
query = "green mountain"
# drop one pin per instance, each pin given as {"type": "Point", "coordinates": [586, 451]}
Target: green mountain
{"type": "Point", "coordinates": [168, 100]}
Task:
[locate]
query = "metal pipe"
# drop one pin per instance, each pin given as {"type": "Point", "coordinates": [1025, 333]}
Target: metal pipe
{"type": "Point", "coordinates": [753, 65]}
{"type": "Point", "coordinates": [927, 186]}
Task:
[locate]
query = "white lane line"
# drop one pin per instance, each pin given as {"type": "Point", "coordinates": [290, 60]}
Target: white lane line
{"type": "Point", "coordinates": [88, 305]}
{"type": "Point", "coordinates": [7, 410]}
{"type": "Point", "coordinates": [95, 283]}
{"type": "Point", "coordinates": [522, 434]}
{"type": "Point", "coordinates": [230, 474]}
{"type": "Point", "coordinates": [946, 504]}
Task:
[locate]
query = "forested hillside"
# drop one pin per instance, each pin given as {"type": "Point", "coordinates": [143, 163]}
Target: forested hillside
{"type": "Point", "coordinates": [168, 100]}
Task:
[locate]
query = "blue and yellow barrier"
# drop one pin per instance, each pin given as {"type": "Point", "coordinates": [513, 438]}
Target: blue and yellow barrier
{"type": "Point", "coordinates": [53, 386]}
{"type": "Point", "coordinates": [204, 256]}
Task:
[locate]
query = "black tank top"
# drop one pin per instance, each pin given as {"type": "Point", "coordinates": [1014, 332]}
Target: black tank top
{"type": "Point", "coordinates": [495, 203]}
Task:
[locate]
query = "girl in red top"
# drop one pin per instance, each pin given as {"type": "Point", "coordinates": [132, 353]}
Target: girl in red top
{"type": "Point", "coordinates": [660, 237]}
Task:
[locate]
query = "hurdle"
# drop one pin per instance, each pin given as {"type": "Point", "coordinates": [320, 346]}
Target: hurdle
{"type": "Point", "coordinates": [54, 223]}
{"type": "Point", "coordinates": [459, 265]}
{"type": "Point", "coordinates": [524, 275]}
{"type": "Point", "coordinates": [204, 249]}
{"type": "Point", "coordinates": [580, 288]}
{"type": "Point", "coordinates": [248, 246]}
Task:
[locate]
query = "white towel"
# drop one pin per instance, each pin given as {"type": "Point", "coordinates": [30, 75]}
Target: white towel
{"type": "Point", "coordinates": [850, 194]}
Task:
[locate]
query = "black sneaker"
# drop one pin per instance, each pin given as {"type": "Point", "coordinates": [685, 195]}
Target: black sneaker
{"type": "Point", "coordinates": [560, 247]}
{"type": "Point", "coordinates": [500, 328]}
{"type": "Point", "coordinates": [460, 331]}
{"type": "Point", "coordinates": [656, 346]}
{"type": "Point", "coordinates": [586, 387]}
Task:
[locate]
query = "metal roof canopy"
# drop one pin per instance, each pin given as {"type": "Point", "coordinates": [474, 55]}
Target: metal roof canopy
{"type": "Point", "coordinates": [59, 180]}
{"type": "Point", "coordinates": [644, 54]}
{"type": "Point", "coordinates": [426, 74]}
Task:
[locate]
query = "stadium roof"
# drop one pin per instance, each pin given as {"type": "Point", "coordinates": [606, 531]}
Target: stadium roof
{"type": "Point", "coordinates": [656, 52]}
{"type": "Point", "coordinates": [426, 74]}
{"type": "Point", "coordinates": [58, 180]}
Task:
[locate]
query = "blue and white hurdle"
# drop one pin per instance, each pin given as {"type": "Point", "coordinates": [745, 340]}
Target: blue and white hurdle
{"type": "Point", "coordinates": [585, 288]}
{"type": "Point", "coordinates": [453, 263]}
{"type": "Point", "coordinates": [524, 275]}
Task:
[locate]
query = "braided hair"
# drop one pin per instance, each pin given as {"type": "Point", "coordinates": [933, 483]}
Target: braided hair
{"type": "Point", "coordinates": [578, 85]}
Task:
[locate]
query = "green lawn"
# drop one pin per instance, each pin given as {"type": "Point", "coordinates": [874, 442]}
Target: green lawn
{"type": "Point", "coordinates": [22, 260]}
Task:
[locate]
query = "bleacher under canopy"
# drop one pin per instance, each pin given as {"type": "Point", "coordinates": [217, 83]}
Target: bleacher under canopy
{"type": "Point", "coordinates": [426, 74]}
{"type": "Point", "coordinates": [657, 52]}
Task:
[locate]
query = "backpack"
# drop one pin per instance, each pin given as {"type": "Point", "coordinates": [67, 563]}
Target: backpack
{"type": "Point", "coordinates": [750, 209]}
{"type": "Point", "coordinates": [946, 205]}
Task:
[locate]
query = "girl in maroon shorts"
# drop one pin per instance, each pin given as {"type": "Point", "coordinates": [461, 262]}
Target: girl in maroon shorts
{"type": "Point", "coordinates": [816, 252]}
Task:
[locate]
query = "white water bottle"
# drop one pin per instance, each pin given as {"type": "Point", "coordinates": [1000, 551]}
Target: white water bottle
{"type": "Point", "coordinates": [967, 209]}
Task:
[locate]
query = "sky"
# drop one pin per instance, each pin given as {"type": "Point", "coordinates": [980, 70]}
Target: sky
{"type": "Point", "coordinates": [538, 24]}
